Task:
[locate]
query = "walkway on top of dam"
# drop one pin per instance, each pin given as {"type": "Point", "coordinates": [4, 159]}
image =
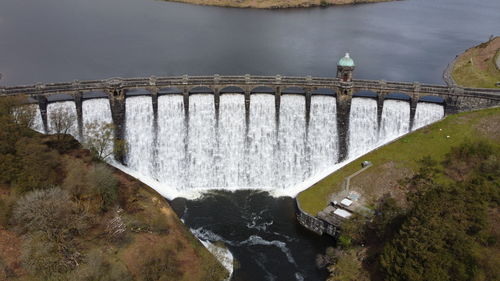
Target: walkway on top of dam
{"type": "Point", "coordinates": [244, 82]}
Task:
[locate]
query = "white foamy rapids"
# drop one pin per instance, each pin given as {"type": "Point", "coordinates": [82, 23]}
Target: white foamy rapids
{"type": "Point", "coordinates": [395, 120]}
{"type": "Point", "coordinates": [207, 235]}
{"type": "Point", "coordinates": [171, 150]}
{"type": "Point", "coordinates": [257, 240]}
{"type": "Point", "coordinates": [260, 159]}
{"type": "Point", "coordinates": [256, 222]}
{"type": "Point", "coordinates": [427, 113]}
{"type": "Point", "coordinates": [322, 138]}
{"type": "Point", "coordinates": [139, 134]}
{"type": "Point", "coordinates": [223, 255]}
{"type": "Point", "coordinates": [230, 156]}
{"type": "Point", "coordinates": [201, 142]}
{"type": "Point", "coordinates": [291, 165]}
{"type": "Point", "coordinates": [363, 127]}
{"type": "Point", "coordinates": [65, 106]}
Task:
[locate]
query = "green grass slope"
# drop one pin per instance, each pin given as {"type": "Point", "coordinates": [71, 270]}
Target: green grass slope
{"type": "Point", "coordinates": [398, 159]}
{"type": "Point", "coordinates": [476, 66]}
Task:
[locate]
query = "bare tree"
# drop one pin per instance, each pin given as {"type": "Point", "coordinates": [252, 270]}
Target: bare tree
{"type": "Point", "coordinates": [24, 115]}
{"type": "Point", "coordinates": [61, 121]}
{"type": "Point", "coordinates": [99, 138]}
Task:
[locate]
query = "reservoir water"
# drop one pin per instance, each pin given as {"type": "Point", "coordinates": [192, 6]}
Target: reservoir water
{"type": "Point", "coordinates": [410, 40]}
{"type": "Point", "coordinates": [60, 40]}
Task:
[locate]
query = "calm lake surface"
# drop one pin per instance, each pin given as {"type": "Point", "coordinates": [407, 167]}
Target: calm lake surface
{"type": "Point", "coordinates": [410, 40]}
{"type": "Point", "coordinates": [64, 40]}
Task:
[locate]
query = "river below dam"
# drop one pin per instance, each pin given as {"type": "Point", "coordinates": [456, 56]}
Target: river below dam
{"type": "Point", "coordinates": [410, 40]}
{"type": "Point", "coordinates": [259, 230]}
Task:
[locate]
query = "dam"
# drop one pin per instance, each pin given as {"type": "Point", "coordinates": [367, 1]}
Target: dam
{"type": "Point", "coordinates": [231, 150]}
{"type": "Point", "coordinates": [185, 135]}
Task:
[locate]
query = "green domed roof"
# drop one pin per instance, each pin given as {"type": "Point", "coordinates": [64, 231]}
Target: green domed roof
{"type": "Point", "coordinates": [346, 61]}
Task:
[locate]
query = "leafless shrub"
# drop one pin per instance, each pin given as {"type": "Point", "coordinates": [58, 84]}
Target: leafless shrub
{"type": "Point", "coordinates": [61, 121]}
{"type": "Point", "coordinates": [49, 211]}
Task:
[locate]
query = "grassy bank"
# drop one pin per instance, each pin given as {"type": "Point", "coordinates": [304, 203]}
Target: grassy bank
{"type": "Point", "coordinates": [275, 4]}
{"type": "Point", "coordinates": [476, 66]}
{"type": "Point", "coordinates": [398, 160]}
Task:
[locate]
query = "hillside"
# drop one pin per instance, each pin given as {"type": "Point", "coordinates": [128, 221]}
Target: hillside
{"type": "Point", "coordinates": [435, 196]}
{"type": "Point", "coordinates": [477, 67]}
{"type": "Point", "coordinates": [64, 215]}
{"type": "Point", "coordinates": [397, 160]}
{"type": "Point", "coordinates": [275, 4]}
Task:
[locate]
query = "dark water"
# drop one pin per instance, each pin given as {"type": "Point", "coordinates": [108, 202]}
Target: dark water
{"type": "Point", "coordinates": [63, 40]}
{"type": "Point", "coordinates": [260, 231]}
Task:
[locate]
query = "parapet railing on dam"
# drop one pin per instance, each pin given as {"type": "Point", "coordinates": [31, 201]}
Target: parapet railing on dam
{"type": "Point", "coordinates": [242, 82]}
{"type": "Point", "coordinates": [454, 99]}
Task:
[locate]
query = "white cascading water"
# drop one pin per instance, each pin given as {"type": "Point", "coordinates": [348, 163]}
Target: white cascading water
{"type": "Point", "coordinates": [96, 111]}
{"type": "Point", "coordinates": [139, 134]}
{"type": "Point", "coordinates": [260, 166]}
{"type": "Point", "coordinates": [395, 120]}
{"type": "Point", "coordinates": [230, 157]}
{"type": "Point", "coordinates": [37, 121]}
{"type": "Point", "coordinates": [322, 138]}
{"type": "Point", "coordinates": [363, 127]}
{"type": "Point", "coordinates": [65, 106]}
{"type": "Point", "coordinates": [170, 161]}
{"type": "Point", "coordinates": [291, 164]}
{"type": "Point", "coordinates": [184, 156]}
{"type": "Point", "coordinates": [427, 113]}
{"type": "Point", "coordinates": [201, 141]}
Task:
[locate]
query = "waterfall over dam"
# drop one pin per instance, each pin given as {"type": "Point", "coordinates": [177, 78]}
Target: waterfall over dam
{"type": "Point", "coordinates": [363, 127]}
{"type": "Point", "coordinates": [427, 113]}
{"type": "Point", "coordinates": [183, 153]}
{"type": "Point", "coordinates": [95, 110]}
